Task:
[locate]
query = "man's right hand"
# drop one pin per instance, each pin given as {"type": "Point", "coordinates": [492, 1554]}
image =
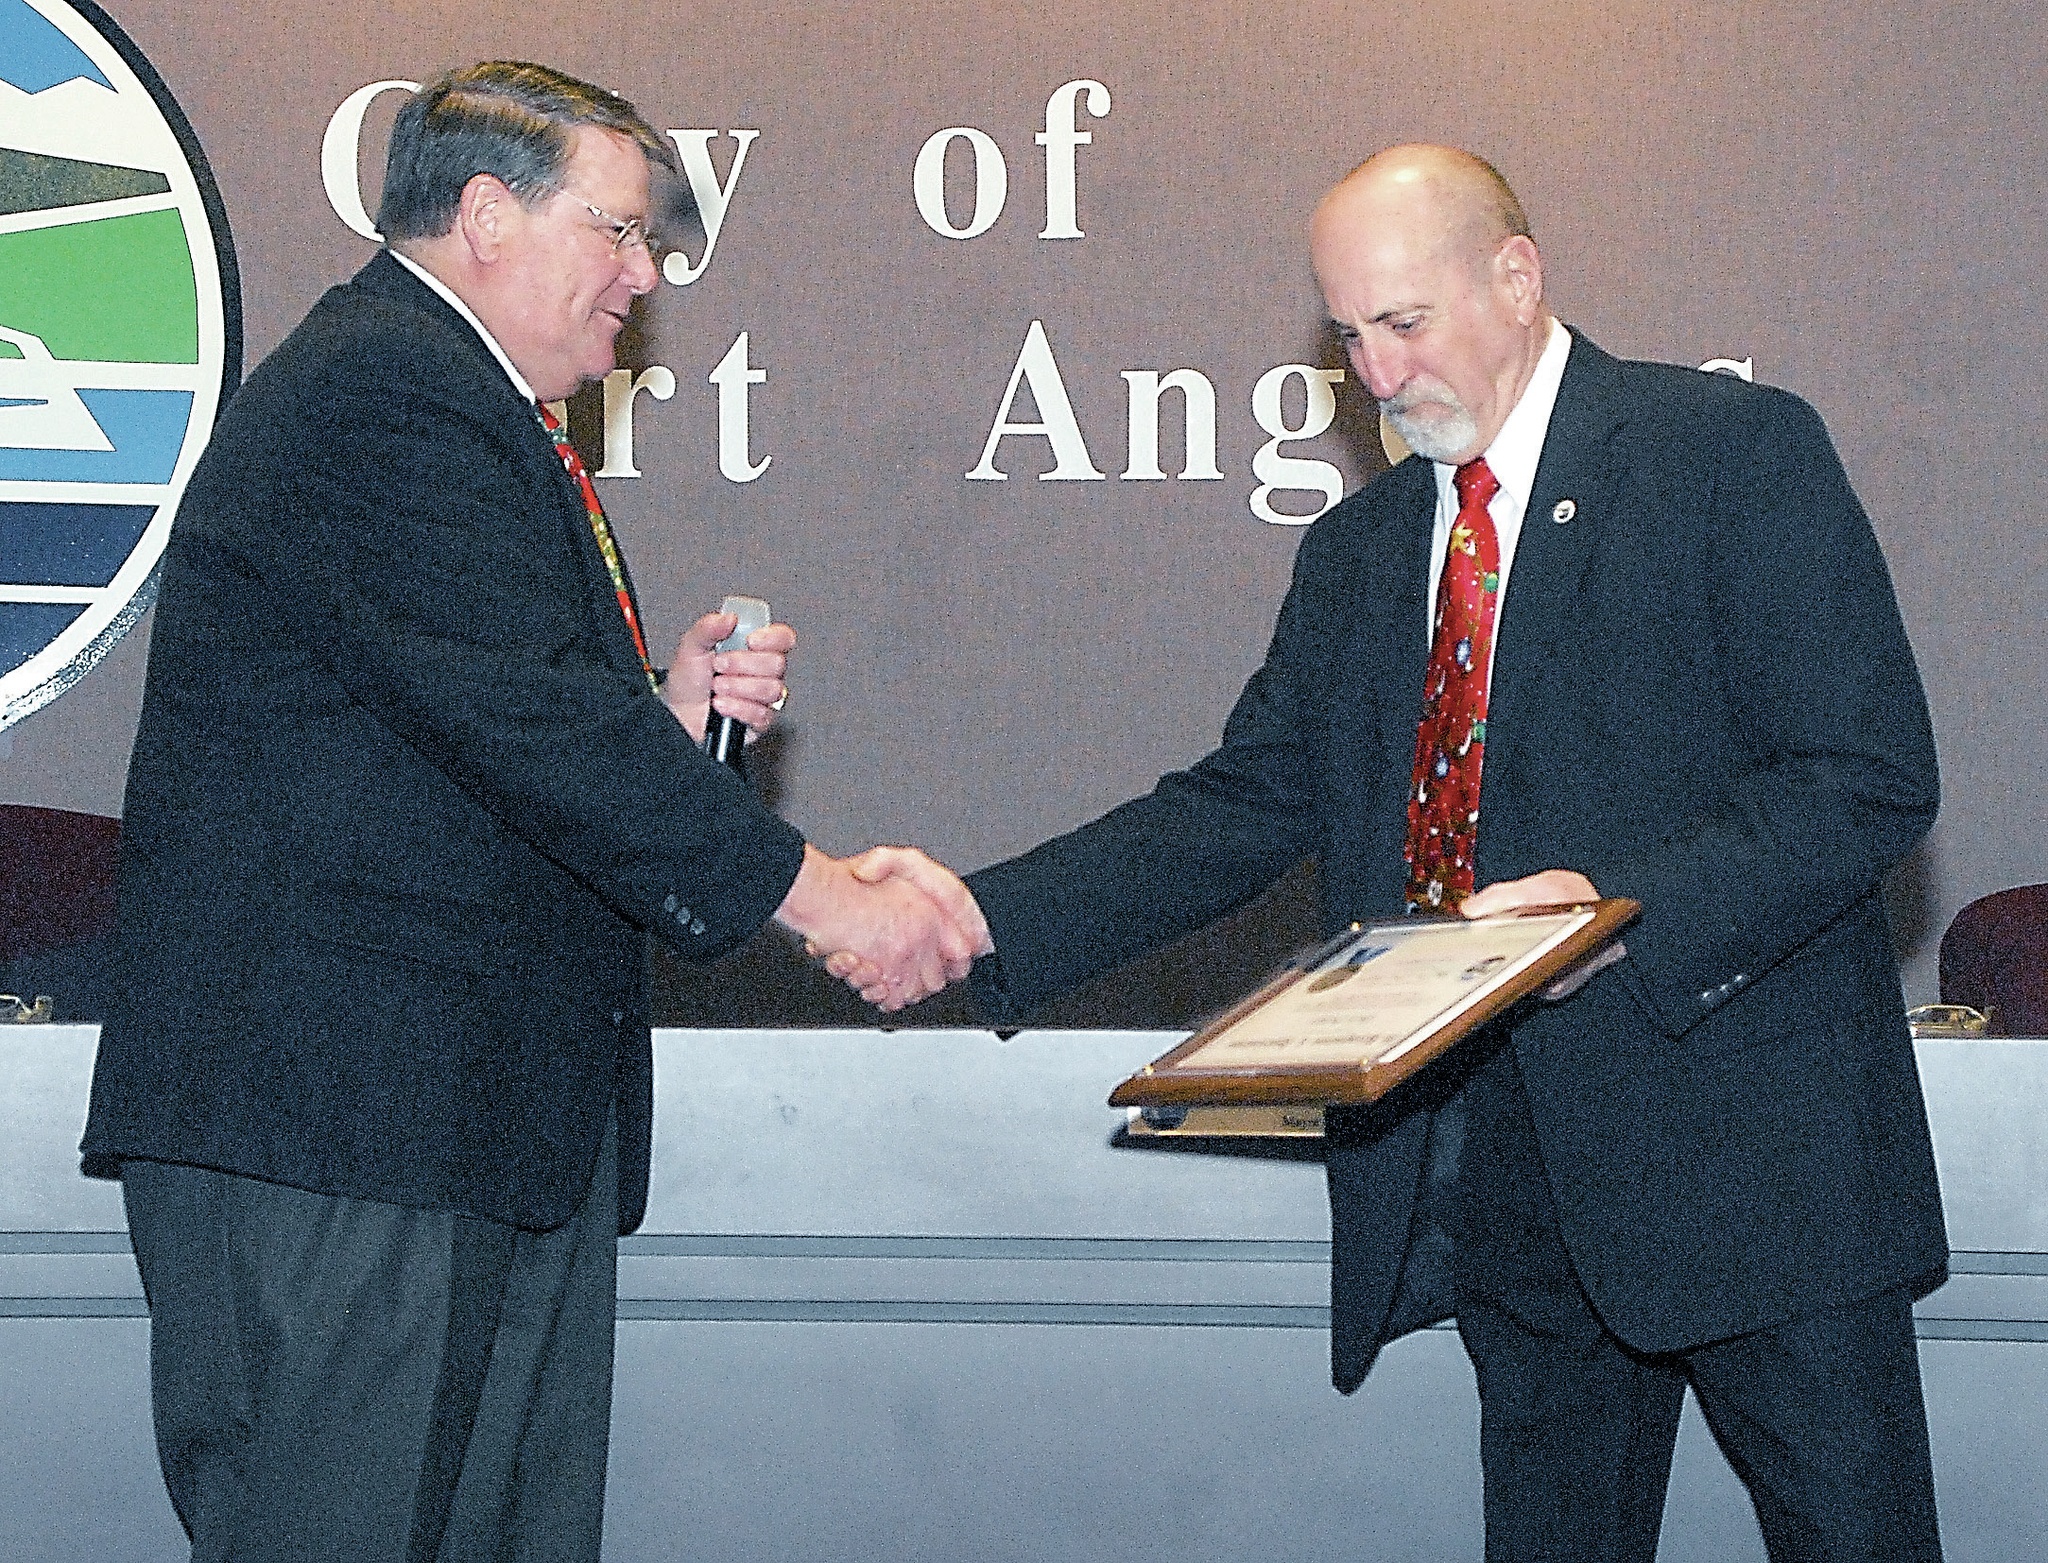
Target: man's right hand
{"type": "Point", "coordinates": [880, 931]}
{"type": "Point", "coordinates": [938, 883]}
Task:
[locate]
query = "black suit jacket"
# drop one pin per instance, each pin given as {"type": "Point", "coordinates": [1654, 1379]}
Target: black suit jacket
{"type": "Point", "coordinates": [402, 806]}
{"type": "Point", "coordinates": [1703, 698]}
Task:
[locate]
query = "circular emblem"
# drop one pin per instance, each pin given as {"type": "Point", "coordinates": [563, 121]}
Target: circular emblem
{"type": "Point", "coordinates": [120, 336]}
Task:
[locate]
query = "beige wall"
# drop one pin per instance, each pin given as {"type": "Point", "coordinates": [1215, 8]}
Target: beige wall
{"type": "Point", "coordinates": [1853, 199]}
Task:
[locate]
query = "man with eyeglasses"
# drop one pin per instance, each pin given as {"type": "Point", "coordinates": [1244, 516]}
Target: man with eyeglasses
{"type": "Point", "coordinates": [406, 797]}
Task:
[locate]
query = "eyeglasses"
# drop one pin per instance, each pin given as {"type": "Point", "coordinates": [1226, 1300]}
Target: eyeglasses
{"type": "Point", "coordinates": [625, 231]}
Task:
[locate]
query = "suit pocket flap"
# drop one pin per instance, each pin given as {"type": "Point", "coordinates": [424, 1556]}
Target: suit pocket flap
{"type": "Point", "coordinates": [459, 935]}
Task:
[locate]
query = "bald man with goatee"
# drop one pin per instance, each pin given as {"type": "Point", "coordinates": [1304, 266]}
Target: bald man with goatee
{"type": "Point", "coordinates": [1613, 629]}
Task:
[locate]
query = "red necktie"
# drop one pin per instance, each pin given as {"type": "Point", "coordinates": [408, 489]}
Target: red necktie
{"type": "Point", "coordinates": [1450, 741]}
{"type": "Point", "coordinates": [602, 531]}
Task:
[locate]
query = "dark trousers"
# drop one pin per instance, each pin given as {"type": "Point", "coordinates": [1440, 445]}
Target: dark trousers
{"type": "Point", "coordinates": [338, 1379]}
{"type": "Point", "coordinates": [1822, 1417]}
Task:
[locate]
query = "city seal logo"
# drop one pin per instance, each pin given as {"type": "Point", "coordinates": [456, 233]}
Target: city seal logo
{"type": "Point", "coordinates": [120, 336]}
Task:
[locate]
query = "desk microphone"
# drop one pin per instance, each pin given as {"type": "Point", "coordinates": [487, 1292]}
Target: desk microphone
{"type": "Point", "coordinates": [725, 737]}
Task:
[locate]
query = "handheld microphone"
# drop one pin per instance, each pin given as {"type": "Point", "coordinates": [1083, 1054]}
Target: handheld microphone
{"type": "Point", "coordinates": [725, 738]}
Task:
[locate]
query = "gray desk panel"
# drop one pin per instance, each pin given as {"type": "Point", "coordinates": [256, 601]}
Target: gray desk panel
{"type": "Point", "coordinates": [80, 1480]}
{"type": "Point", "coordinates": [46, 1071]}
{"type": "Point", "coordinates": [948, 1132]}
{"type": "Point", "coordinates": [1988, 1104]}
{"type": "Point", "coordinates": [967, 1280]}
{"type": "Point", "coordinates": [848, 1443]}
{"type": "Point", "coordinates": [902, 1296]}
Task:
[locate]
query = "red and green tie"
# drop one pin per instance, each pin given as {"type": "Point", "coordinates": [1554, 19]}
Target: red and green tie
{"type": "Point", "coordinates": [1450, 740]}
{"type": "Point", "coordinates": [602, 531]}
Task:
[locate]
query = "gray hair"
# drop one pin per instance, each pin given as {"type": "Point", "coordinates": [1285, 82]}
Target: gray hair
{"type": "Point", "coordinates": [505, 118]}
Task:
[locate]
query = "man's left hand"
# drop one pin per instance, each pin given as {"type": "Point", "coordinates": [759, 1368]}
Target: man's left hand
{"type": "Point", "coordinates": [1552, 887]}
{"type": "Point", "coordinates": [745, 685]}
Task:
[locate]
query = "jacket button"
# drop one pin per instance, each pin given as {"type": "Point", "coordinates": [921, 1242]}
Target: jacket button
{"type": "Point", "coordinates": [697, 925]}
{"type": "Point", "coordinates": [618, 1017]}
{"type": "Point", "coordinates": [669, 905]}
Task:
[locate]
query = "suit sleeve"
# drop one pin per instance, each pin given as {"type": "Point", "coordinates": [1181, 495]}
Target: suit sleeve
{"type": "Point", "coordinates": [1833, 778]}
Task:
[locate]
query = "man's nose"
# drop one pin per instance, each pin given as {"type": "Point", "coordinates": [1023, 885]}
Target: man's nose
{"type": "Point", "coordinates": [641, 275]}
{"type": "Point", "coordinates": [1383, 367]}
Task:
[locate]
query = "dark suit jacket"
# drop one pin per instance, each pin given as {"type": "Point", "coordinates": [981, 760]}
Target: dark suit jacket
{"type": "Point", "coordinates": [402, 805]}
{"type": "Point", "coordinates": [1703, 698]}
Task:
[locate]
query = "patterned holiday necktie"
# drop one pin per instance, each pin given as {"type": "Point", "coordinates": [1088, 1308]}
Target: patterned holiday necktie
{"type": "Point", "coordinates": [1450, 741]}
{"type": "Point", "coordinates": [602, 531]}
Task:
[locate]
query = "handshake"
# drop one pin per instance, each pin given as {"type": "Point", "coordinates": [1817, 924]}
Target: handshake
{"type": "Point", "coordinates": [891, 922]}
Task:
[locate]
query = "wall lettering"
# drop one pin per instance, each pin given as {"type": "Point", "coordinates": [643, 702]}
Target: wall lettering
{"type": "Point", "coordinates": [1036, 367]}
{"type": "Point", "coordinates": [733, 378]}
{"type": "Point", "coordinates": [1198, 438]}
{"type": "Point", "coordinates": [713, 197]}
{"type": "Point", "coordinates": [620, 387]}
{"type": "Point", "coordinates": [1056, 421]}
{"type": "Point", "coordinates": [1061, 136]}
{"type": "Point", "coordinates": [1275, 471]}
{"type": "Point", "coordinates": [991, 182]}
{"type": "Point", "coordinates": [340, 154]}
{"type": "Point", "coordinates": [1056, 424]}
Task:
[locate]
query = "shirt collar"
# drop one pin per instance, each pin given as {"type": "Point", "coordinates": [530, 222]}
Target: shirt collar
{"type": "Point", "coordinates": [1518, 447]}
{"type": "Point", "coordinates": [455, 303]}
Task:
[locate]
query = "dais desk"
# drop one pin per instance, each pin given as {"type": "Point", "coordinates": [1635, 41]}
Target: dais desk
{"type": "Point", "coordinates": [906, 1296]}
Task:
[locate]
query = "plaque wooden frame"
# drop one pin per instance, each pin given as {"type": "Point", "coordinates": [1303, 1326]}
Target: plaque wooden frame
{"type": "Point", "coordinates": [1172, 1080]}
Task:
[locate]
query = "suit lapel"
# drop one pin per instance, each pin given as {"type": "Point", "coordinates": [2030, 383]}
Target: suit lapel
{"type": "Point", "coordinates": [1572, 510]}
{"type": "Point", "coordinates": [1392, 648]}
{"type": "Point", "coordinates": [615, 632]}
{"type": "Point", "coordinates": [1363, 605]}
{"type": "Point", "coordinates": [1405, 660]}
{"type": "Point", "coordinates": [386, 278]}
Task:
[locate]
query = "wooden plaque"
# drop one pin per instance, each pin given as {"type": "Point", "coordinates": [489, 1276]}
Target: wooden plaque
{"type": "Point", "coordinates": [1354, 1017]}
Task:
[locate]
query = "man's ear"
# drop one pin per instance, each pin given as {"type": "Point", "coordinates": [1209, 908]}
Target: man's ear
{"type": "Point", "coordinates": [1519, 271]}
{"type": "Point", "coordinates": [485, 214]}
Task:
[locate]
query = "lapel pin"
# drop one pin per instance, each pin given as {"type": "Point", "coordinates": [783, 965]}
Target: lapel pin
{"type": "Point", "coordinates": [1564, 510]}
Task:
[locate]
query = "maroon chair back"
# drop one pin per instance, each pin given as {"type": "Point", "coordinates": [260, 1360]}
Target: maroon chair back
{"type": "Point", "coordinates": [56, 878]}
{"type": "Point", "coordinates": [1994, 958]}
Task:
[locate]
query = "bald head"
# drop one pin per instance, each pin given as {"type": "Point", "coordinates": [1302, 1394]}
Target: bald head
{"type": "Point", "coordinates": [1459, 201]}
{"type": "Point", "coordinates": [1436, 287]}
